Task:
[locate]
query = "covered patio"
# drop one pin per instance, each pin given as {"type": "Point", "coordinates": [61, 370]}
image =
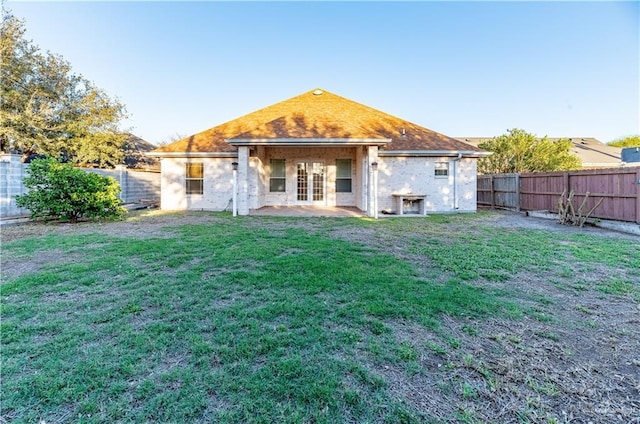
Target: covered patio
{"type": "Point", "coordinates": [309, 211]}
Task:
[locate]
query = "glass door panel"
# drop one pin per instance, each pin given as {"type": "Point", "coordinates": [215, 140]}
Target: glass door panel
{"type": "Point", "coordinates": [318, 182]}
{"type": "Point", "coordinates": [303, 183]}
{"type": "Point", "coordinates": [310, 182]}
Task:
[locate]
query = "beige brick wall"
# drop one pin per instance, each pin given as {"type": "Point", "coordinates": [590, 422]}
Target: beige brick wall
{"type": "Point", "coordinates": [395, 174]}
{"type": "Point", "coordinates": [294, 155]}
{"type": "Point", "coordinates": [417, 175]}
{"type": "Point", "coordinates": [218, 184]}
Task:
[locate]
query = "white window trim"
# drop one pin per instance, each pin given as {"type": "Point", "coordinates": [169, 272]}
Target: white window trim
{"type": "Point", "coordinates": [441, 168]}
{"type": "Point", "coordinates": [284, 177]}
{"type": "Point", "coordinates": [344, 178]}
{"type": "Point", "coordinates": [187, 178]}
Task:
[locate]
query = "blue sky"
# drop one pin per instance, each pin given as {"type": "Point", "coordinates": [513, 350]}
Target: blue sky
{"type": "Point", "coordinates": [562, 69]}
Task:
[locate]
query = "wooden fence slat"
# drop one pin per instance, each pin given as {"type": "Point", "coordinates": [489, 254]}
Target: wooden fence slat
{"type": "Point", "coordinates": [637, 183]}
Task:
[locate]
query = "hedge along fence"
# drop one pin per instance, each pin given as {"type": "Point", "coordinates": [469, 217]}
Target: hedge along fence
{"type": "Point", "coordinates": [136, 186]}
{"type": "Point", "coordinates": [619, 187]}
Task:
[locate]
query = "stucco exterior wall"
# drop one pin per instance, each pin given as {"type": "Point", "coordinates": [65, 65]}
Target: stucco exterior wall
{"type": "Point", "coordinates": [416, 175]}
{"type": "Point", "coordinates": [218, 184]}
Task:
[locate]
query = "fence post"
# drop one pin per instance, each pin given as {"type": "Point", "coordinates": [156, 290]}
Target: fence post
{"type": "Point", "coordinates": [517, 192]}
{"type": "Point", "coordinates": [565, 179]}
{"type": "Point", "coordinates": [493, 200]}
{"type": "Point", "coordinates": [122, 180]}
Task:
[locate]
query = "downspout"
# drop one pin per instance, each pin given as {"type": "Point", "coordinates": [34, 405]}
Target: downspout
{"type": "Point", "coordinates": [456, 205]}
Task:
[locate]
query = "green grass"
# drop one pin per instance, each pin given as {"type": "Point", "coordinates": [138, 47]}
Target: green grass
{"type": "Point", "coordinates": [233, 322]}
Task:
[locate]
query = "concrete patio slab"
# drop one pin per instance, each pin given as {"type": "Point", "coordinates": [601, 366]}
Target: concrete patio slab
{"type": "Point", "coordinates": [307, 211]}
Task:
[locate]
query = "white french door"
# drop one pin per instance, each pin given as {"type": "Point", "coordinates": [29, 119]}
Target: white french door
{"type": "Point", "coordinates": [310, 183]}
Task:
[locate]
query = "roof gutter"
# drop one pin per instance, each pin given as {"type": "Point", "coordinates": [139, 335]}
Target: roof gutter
{"type": "Point", "coordinates": [435, 153]}
{"type": "Point", "coordinates": [456, 204]}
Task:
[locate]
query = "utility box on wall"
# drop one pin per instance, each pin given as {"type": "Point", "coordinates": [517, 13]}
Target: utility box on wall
{"type": "Point", "coordinates": [631, 154]}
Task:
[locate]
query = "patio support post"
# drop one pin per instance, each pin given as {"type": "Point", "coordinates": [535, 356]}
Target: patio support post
{"type": "Point", "coordinates": [372, 182]}
{"type": "Point", "coordinates": [243, 180]}
{"type": "Point", "coordinates": [374, 168]}
{"type": "Point", "coordinates": [235, 188]}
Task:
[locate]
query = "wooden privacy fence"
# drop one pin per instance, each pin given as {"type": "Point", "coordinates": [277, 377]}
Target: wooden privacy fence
{"type": "Point", "coordinates": [619, 187]}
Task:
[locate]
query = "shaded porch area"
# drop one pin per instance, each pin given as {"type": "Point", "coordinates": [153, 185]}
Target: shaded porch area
{"type": "Point", "coordinates": [308, 211]}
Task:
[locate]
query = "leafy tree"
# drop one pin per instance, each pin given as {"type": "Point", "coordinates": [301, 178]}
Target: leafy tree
{"type": "Point", "coordinates": [58, 190]}
{"type": "Point", "coordinates": [45, 107]}
{"type": "Point", "coordinates": [630, 141]}
{"type": "Point", "coordinates": [519, 151]}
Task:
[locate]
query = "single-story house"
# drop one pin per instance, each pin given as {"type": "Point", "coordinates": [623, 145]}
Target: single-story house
{"type": "Point", "coordinates": [319, 149]}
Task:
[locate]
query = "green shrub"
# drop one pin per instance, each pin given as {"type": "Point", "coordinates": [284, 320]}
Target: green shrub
{"type": "Point", "coordinates": [60, 191]}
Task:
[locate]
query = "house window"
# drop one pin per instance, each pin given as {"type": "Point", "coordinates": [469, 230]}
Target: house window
{"type": "Point", "coordinates": [194, 178]}
{"type": "Point", "coordinates": [277, 177]}
{"type": "Point", "coordinates": [343, 175]}
{"type": "Point", "coordinates": [442, 169]}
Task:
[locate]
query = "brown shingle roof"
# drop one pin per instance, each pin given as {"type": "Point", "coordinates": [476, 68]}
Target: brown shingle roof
{"type": "Point", "coordinates": [135, 149]}
{"type": "Point", "coordinates": [318, 114]}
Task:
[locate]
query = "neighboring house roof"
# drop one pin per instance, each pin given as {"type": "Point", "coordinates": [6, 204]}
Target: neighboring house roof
{"type": "Point", "coordinates": [592, 152]}
{"type": "Point", "coordinates": [322, 117]}
{"type": "Point", "coordinates": [135, 153]}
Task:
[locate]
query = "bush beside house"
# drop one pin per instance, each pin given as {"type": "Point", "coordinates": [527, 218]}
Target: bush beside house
{"type": "Point", "coordinates": [59, 191]}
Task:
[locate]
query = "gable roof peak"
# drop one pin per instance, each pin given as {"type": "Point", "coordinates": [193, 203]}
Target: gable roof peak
{"type": "Point", "coordinates": [318, 114]}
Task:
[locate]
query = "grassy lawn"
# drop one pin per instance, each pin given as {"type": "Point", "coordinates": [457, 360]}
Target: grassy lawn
{"type": "Point", "coordinates": [266, 319]}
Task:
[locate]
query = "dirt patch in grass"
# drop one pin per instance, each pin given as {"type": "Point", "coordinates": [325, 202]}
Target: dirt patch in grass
{"type": "Point", "coordinates": [138, 224]}
{"type": "Point", "coordinates": [15, 267]}
{"type": "Point", "coordinates": [573, 358]}
{"type": "Point", "coordinates": [524, 371]}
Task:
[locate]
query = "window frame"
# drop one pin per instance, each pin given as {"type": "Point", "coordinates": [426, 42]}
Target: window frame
{"type": "Point", "coordinates": [344, 179]}
{"type": "Point", "coordinates": [190, 179]}
{"type": "Point", "coordinates": [439, 167]}
{"type": "Point", "coordinates": [274, 181]}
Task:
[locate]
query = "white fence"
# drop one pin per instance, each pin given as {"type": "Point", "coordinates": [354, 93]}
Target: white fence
{"type": "Point", "coordinates": [136, 186]}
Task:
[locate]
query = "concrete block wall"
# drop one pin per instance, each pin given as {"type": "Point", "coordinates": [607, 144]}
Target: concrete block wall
{"type": "Point", "coordinates": [136, 186]}
{"type": "Point", "coordinates": [12, 171]}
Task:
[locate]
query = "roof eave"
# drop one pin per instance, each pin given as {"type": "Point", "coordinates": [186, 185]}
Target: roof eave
{"type": "Point", "coordinates": [308, 141]}
{"type": "Point", "coordinates": [194, 154]}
